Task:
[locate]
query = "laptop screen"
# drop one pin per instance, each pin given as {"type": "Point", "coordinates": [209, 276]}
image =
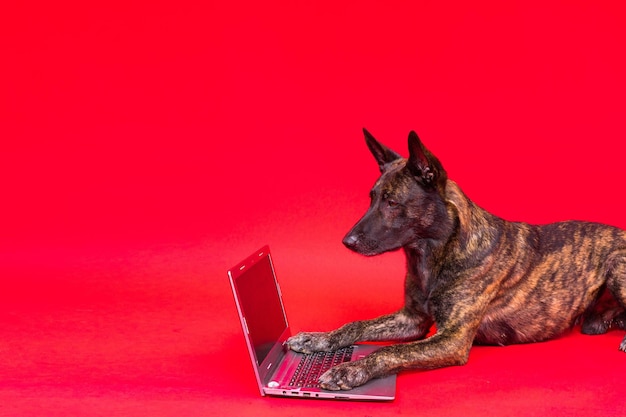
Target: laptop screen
{"type": "Point", "coordinates": [261, 306]}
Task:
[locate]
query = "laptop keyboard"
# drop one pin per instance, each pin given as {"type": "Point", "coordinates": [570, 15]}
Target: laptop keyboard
{"type": "Point", "coordinates": [313, 365]}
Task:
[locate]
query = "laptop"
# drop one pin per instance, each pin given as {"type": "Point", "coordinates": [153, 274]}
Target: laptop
{"type": "Point", "coordinates": [265, 327]}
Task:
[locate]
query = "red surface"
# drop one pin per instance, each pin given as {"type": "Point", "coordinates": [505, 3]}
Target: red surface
{"type": "Point", "coordinates": [147, 147]}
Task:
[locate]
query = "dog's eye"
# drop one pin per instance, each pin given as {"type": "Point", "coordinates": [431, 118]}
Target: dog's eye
{"type": "Point", "coordinates": [390, 202]}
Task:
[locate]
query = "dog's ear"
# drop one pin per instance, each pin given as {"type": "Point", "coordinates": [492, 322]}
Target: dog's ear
{"type": "Point", "coordinates": [383, 154]}
{"type": "Point", "coordinates": [424, 166]}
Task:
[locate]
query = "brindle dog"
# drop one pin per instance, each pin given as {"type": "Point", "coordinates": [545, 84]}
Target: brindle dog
{"type": "Point", "coordinates": [476, 277]}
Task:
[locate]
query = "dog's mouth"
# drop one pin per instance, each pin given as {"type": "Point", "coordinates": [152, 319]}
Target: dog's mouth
{"type": "Point", "coordinates": [361, 245]}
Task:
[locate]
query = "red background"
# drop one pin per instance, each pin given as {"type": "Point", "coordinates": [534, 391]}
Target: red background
{"type": "Point", "coordinates": [147, 147]}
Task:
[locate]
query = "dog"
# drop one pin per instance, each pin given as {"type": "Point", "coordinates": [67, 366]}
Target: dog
{"type": "Point", "coordinates": [477, 278]}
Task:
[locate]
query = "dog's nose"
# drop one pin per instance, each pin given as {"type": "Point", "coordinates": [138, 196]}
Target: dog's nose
{"type": "Point", "coordinates": [350, 241]}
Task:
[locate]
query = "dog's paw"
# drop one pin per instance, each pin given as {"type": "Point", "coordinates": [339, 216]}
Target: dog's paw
{"type": "Point", "coordinates": [622, 345]}
{"type": "Point", "coordinates": [345, 376]}
{"type": "Point", "coordinates": [595, 325]}
{"type": "Point", "coordinates": [310, 342]}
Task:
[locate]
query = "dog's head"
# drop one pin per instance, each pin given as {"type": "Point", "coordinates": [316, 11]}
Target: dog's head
{"type": "Point", "coordinates": [407, 202]}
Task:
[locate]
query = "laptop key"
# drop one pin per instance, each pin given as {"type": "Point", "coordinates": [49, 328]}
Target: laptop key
{"type": "Point", "coordinates": [312, 366]}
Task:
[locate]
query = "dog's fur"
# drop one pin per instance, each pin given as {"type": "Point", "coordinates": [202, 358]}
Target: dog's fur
{"type": "Point", "coordinates": [476, 277]}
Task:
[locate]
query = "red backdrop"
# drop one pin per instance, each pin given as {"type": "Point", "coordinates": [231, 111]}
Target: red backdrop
{"type": "Point", "coordinates": [198, 131]}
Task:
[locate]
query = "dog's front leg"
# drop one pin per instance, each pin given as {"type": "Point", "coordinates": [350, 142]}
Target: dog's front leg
{"type": "Point", "coordinates": [458, 315]}
{"type": "Point", "coordinates": [442, 349]}
{"type": "Point", "coordinates": [402, 325]}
